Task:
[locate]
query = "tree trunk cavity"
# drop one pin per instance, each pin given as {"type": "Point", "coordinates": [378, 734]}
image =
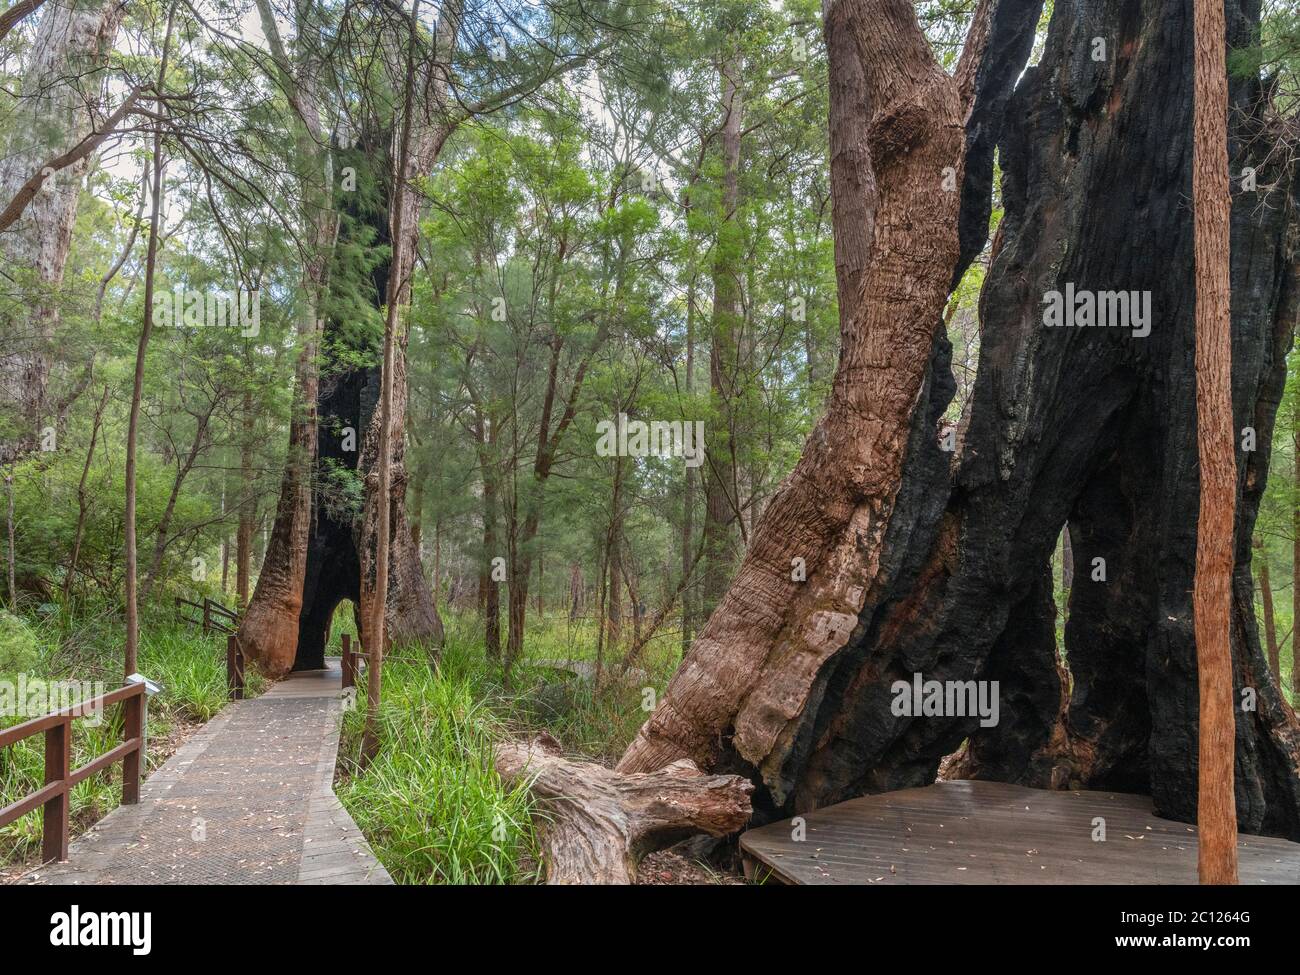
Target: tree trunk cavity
{"type": "Point", "coordinates": [924, 561]}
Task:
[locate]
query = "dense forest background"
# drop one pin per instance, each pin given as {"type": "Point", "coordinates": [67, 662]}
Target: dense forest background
{"type": "Point", "coordinates": [588, 214]}
{"type": "Point", "coordinates": [630, 218]}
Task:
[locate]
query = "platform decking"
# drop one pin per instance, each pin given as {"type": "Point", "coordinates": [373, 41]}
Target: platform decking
{"type": "Point", "coordinates": [992, 833]}
{"type": "Point", "coordinates": [248, 799]}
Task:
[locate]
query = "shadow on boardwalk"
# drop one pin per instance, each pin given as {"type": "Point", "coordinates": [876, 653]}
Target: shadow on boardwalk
{"type": "Point", "coordinates": [247, 800]}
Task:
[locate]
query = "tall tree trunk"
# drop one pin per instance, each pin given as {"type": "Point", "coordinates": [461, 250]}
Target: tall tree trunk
{"type": "Point", "coordinates": [832, 511]}
{"type": "Point", "coordinates": [247, 506]}
{"type": "Point", "coordinates": [688, 496]}
{"type": "Point", "coordinates": [12, 559]}
{"type": "Point", "coordinates": [61, 82]}
{"type": "Point", "coordinates": [270, 629]}
{"type": "Point", "coordinates": [721, 495]}
{"type": "Point", "coordinates": [1216, 446]}
{"type": "Point", "coordinates": [137, 389]}
{"type": "Point", "coordinates": [1295, 556]}
{"type": "Point", "coordinates": [489, 587]}
{"type": "Point", "coordinates": [1212, 594]}
{"type": "Point", "coordinates": [394, 302]}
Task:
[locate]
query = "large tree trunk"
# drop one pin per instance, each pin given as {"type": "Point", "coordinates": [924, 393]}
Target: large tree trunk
{"type": "Point", "coordinates": [921, 562]}
{"type": "Point", "coordinates": [61, 83]}
{"type": "Point", "coordinates": [754, 668]}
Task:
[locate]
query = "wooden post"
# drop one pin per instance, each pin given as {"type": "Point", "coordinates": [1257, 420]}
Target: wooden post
{"type": "Point", "coordinates": [349, 676]}
{"type": "Point", "coordinates": [207, 614]}
{"type": "Point", "coordinates": [234, 668]}
{"type": "Point", "coordinates": [58, 766]}
{"type": "Point", "coordinates": [133, 718]}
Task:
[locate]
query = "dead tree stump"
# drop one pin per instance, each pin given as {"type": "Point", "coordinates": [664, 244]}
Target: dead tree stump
{"type": "Point", "coordinates": [599, 824]}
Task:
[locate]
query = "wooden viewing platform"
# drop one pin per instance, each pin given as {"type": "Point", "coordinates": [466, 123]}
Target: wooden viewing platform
{"type": "Point", "coordinates": [970, 832]}
{"type": "Point", "coordinates": [248, 799]}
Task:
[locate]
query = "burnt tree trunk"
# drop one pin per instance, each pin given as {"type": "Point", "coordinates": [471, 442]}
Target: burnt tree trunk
{"type": "Point", "coordinates": [939, 564]}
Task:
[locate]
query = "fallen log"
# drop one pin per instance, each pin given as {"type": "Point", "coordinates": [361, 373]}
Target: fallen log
{"type": "Point", "coordinates": [600, 824]}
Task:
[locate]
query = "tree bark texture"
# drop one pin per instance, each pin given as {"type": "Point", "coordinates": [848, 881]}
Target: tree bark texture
{"type": "Point", "coordinates": [924, 561]}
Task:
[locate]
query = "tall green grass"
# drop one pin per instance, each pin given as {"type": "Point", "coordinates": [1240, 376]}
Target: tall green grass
{"type": "Point", "coordinates": [430, 804]}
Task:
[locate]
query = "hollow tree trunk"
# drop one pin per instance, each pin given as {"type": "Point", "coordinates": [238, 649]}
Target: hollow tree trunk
{"type": "Point", "coordinates": [754, 668]}
{"type": "Point", "coordinates": [912, 569]}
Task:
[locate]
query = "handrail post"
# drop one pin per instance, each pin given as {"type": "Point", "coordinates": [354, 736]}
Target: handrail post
{"type": "Point", "coordinates": [349, 679]}
{"type": "Point", "coordinates": [207, 614]}
{"type": "Point", "coordinates": [234, 668]}
{"type": "Point", "coordinates": [58, 767]}
{"type": "Point", "coordinates": [133, 724]}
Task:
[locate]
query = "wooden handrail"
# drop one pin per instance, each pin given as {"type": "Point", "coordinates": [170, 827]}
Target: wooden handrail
{"type": "Point", "coordinates": [228, 621]}
{"type": "Point", "coordinates": [60, 777]}
{"type": "Point", "coordinates": [349, 662]}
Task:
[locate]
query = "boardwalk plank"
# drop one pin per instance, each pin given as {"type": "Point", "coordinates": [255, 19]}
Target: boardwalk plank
{"type": "Point", "coordinates": [991, 832]}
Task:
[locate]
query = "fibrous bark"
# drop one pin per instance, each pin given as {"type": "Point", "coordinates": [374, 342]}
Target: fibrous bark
{"type": "Point", "coordinates": [599, 824]}
{"type": "Point", "coordinates": [1216, 448]}
{"type": "Point", "coordinates": [920, 561]}
{"type": "Point", "coordinates": [60, 90]}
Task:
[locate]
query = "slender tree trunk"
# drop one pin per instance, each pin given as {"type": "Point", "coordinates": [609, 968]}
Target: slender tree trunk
{"type": "Point", "coordinates": [9, 532]}
{"type": "Point", "coordinates": [1270, 622]}
{"type": "Point", "coordinates": [83, 502]}
{"type": "Point", "coordinates": [169, 511]}
{"type": "Point", "coordinates": [575, 591]}
{"type": "Point", "coordinates": [489, 588]}
{"type": "Point", "coordinates": [247, 507]}
{"type": "Point", "coordinates": [397, 293]}
{"type": "Point", "coordinates": [1212, 598]}
{"type": "Point", "coordinates": [137, 389]}
{"type": "Point", "coordinates": [721, 489]}
{"type": "Point", "coordinates": [688, 496]}
{"type": "Point", "coordinates": [1295, 556]}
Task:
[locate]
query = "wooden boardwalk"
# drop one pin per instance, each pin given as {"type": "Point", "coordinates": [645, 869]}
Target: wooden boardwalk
{"type": "Point", "coordinates": [248, 800]}
{"type": "Point", "coordinates": [993, 833]}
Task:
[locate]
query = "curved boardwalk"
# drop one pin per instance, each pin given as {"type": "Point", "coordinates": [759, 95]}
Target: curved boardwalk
{"type": "Point", "coordinates": [247, 800]}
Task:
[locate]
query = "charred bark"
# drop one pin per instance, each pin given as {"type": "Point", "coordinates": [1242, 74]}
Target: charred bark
{"type": "Point", "coordinates": [1087, 425]}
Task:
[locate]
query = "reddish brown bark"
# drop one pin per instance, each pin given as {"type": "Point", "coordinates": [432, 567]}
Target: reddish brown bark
{"type": "Point", "coordinates": [752, 669]}
{"type": "Point", "coordinates": [1212, 595]}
